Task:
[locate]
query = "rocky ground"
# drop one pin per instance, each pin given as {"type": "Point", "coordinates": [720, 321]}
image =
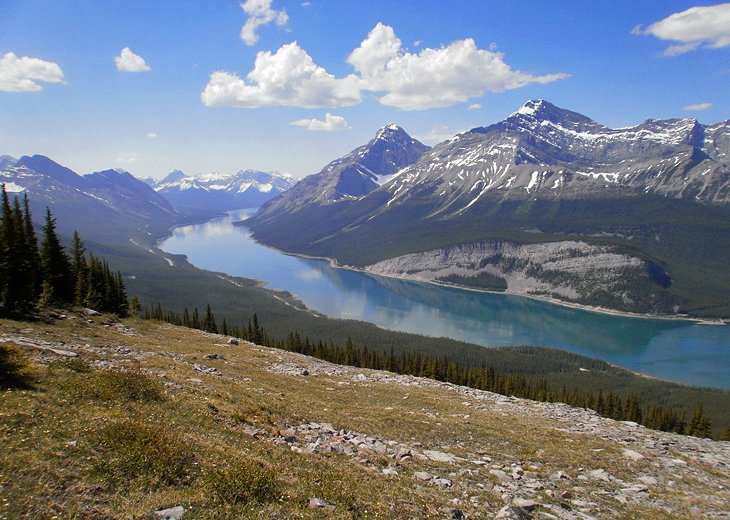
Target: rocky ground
{"type": "Point", "coordinates": [455, 451]}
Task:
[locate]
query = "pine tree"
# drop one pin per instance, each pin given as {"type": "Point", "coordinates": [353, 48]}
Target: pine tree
{"type": "Point", "coordinates": [699, 425]}
{"type": "Point", "coordinates": [56, 266]}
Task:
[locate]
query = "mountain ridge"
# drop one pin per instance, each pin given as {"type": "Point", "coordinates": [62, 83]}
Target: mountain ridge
{"type": "Point", "coordinates": [658, 190]}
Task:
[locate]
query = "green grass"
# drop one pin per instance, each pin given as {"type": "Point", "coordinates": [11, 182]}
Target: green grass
{"type": "Point", "coordinates": [70, 451]}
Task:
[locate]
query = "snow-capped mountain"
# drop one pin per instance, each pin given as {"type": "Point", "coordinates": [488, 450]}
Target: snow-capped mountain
{"type": "Point", "coordinates": [354, 175]}
{"type": "Point", "coordinates": [655, 195]}
{"type": "Point", "coordinates": [544, 152]}
{"type": "Point", "coordinates": [215, 192]}
{"type": "Point", "coordinates": [98, 205]}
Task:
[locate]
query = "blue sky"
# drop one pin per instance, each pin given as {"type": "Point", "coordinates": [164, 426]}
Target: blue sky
{"type": "Point", "coordinates": [218, 85]}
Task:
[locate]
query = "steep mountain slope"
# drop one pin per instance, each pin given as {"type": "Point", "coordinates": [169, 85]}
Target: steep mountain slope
{"type": "Point", "coordinates": [215, 192]}
{"type": "Point", "coordinates": [657, 193]}
{"type": "Point", "coordinates": [354, 175]}
{"type": "Point", "coordinates": [100, 205]}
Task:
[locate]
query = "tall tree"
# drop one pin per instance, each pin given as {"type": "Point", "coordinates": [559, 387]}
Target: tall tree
{"type": "Point", "coordinates": [31, 251]}
{"type": "Point", "coordinates": [56, 266]}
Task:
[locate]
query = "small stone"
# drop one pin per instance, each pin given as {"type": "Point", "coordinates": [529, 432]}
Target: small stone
{"type": "Point", "coordinates": [599, 474]}
{"type": "Point", "coordinates": [172, 513]}
{"type": "Point", "coordinates": [442, 482]}
{"type": "Point", "coordinates": [501, 475]}
{"type": "Point", "coordinates": [649, 481]}
{"type": "Point", "coordinates": [390, 472]}
{"type": "Point", "coordinates": [438, 456]}
{"type": "Point", "coordinates": [633, 455]}
{"type": "Point", "coordinates": [512, 513]}
{"type": "Point", "coordinates": [456, 514]}
{"type": "Point", "coordinates": [318, 503]}
{"type": "Point", "coordinates": [526, 504]}
{"type": "Point", "coordinates": [422, 475]}
{"type": "Point", "coordinates": [232, 341]}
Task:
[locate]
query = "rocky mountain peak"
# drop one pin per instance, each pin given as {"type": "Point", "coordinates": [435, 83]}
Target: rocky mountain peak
{"type": "Point", "coordinates": [538, 112]}
{"type": "Point", "coordinates": [173, 176]}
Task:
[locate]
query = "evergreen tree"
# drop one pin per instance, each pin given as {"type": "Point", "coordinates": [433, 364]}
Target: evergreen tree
{"type": "Point", "coordinates": [32, 253]}
{"type": "Point", "coordinates": [699, 425]}
{"type": "Point", "coordinates": [55, 263]}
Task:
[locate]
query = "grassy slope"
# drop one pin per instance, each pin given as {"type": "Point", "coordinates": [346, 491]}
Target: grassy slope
{"type": "Point", "coordinates": [87, 442]}
{"type": "Point", "coordinates": [184, 285]}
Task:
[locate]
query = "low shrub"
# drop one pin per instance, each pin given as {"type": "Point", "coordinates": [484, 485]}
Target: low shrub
{"type": "Point", "coordinates": [134, 454]}
{"type": "Point", "coordinates": [15, 367]}
{"type": "Point", "coordinates": [242, 482]}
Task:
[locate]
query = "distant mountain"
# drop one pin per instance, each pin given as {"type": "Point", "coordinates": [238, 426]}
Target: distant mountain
{"type": "Point", "coordinates": [216, 192]}
{"type": "Point", "coordinates": [356, 174]}
{"type": "Point", "coordinates": [99, 205]}
{"type": "Point", "coordinates": [655, 197]}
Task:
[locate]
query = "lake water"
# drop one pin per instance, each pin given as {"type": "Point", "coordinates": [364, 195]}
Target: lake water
{"type": "Point", "coordinates": [674, 350]}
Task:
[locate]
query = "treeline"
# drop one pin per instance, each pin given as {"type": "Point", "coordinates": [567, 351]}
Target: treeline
{"type": "Point", "coordinates": [441, 368]}
{"type": "Point", "coordinates": [33, 275]}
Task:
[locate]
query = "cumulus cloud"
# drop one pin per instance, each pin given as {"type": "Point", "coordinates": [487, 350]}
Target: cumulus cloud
{"type": "Point", "coordinates": [127, 61]}
{"type": "Point", "coordinates": [288, 77]}
{"type": "Point", "coordinates": [329, 124]}
{"type": "Point", "coordinates": [152, 135]}
{"type": "Point", "coordinates": [259, 13]}
{"type": "Point", "coordinates": [22, 74]}
{"type": "Point", "coordinates": [432, 78]}
{"type": "Point", "coordinates": [475, 106]}
{"type": "Point", "coordinates": [693, 28]}
{"type": "Point", "coordinates": [698, 106]}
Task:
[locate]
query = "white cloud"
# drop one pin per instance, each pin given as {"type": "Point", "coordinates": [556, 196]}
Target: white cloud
{"type": "Point", "coordinates": [127, 158]}
{"type": "Point", "coordinates": [329, 124]}
{"type": "Point", "coordinates": [430, 79]}
{"type": "Point", "coordinates": [306, 4]}
{"type": "Point", "coordinates": [475, 106]}
{"type": "Point", "coordinates": [434, 78]}
{"type": "Point", "coordinates": [127, 61]}
{"type": "Point", "coordinates": [698, 106]}
{"type": "Point", "coordinates": [288, 77]}
{"type": "Point", "coordinates": [693, 28]}
{"type": "Point", "coordinates": [438, 134]}
{"type": "Point", "coordinates": [152, 135]}
{"type": "Point", "coordinates": [259, 13]}
{"type": "Point", "coordinates": [21, 74]}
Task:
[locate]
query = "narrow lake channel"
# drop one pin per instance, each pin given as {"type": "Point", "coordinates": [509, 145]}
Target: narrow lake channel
{"type": "Point", "coordinates": [679, 351]}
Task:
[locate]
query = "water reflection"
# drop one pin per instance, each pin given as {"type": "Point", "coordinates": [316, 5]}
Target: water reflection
{"type": "Point", "coordinates": [680, 351]}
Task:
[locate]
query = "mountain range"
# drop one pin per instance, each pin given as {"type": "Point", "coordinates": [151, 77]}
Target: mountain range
{"type": "Point", "coordinates": [614, 217]}
{"type": "Point", "coordinates": [105, 205]}
{"type": "Point", "coordinates": [212, 193]}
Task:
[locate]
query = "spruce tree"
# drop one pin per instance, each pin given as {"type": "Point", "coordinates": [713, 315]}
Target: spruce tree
{"type": "Point", "coordinates": [56, 266]}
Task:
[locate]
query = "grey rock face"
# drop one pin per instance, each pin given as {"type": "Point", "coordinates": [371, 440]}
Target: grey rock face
{"type": "Point", "coordinates": [354, 175]}
{"type": "Point", "coordinates": [544, 152]}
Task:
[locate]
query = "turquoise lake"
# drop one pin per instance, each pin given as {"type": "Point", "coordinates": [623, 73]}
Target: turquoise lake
{"type": "Point", "coordinates": [679, 351]}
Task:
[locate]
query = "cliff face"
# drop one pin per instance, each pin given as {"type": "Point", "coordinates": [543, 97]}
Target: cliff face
{"type": "Point", "coordinates": [572, 271]}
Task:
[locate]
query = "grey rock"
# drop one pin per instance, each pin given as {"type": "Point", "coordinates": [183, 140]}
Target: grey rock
{"type": "Point", "coordinates": [172, 513]}
{"type": "Point", "coordinates": [318, 503]}
{"type": "Point", "coordinates": [512, 513]}
{"type": "Point", "coordinates": [422, 475]}
{"type": "Point", "coordinates": [439, 456]}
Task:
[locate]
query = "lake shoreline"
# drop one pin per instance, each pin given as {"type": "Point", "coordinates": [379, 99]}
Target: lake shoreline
{"type": "Point", "coordinates": [541, 298]}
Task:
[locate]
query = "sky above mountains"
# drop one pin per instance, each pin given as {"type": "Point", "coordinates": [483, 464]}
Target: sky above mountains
{"type": "Point", "coordinates": [290, 85]}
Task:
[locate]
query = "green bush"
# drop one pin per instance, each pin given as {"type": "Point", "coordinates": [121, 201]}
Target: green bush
{"type": "Point", "coordinates": [14, 367]}
{"type": "Point", "coordinates": [133, 454]}
{"type": "Point", "coordinates": [243, 482]}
